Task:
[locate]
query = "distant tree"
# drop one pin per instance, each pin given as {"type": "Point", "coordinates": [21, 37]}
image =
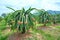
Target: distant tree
{"type": "Point", "coordinates": [3, 15]}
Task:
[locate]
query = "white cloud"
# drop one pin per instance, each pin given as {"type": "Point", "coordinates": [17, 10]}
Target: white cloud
{"type": "Point", "coordinates": [49, 5]}
{"type": "Point", "coordinates": [18, 4]}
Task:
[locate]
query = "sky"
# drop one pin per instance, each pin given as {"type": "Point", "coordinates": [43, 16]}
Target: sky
{"type": "Point", "coordinates": [39, 4]}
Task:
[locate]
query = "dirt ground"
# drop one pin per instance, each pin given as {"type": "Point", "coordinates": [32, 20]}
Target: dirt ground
{"type": "Point", "coordinates": [19, 36]}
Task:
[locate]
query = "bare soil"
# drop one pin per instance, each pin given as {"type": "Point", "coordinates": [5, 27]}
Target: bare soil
{"type": "Point", "coordinates": [19, 36]}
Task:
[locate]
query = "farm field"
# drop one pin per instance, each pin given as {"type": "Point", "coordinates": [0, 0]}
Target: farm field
{"type": "Point", "coordinates": [29, 19]}
{"type": "Point", "coordinates": [51, 32]}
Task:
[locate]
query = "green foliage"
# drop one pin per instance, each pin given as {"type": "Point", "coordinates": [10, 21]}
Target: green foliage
{"type": "Point", "coordinates": [2, 25]}
{"type": "Point", "coordinates": [10, 8]}
{"type": "Point", "coordinates": [58, 38]}
{"type": "Point", "coordinates": [3, 37]}
{"type": "Point", "coordinates": [22, 18]}
{"type": "Point", "coordinates": [1, 18]}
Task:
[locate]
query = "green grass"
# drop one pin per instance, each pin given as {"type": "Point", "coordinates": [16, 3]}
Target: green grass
{"type": "Point", "coordinates": [47, 35]}
{"type": "Point", "coordinates": [50, 34]}
{"type": "Point", "coordinates": [58, 27]}
{"type": "Point", "coordinates": [2, 25]}
{"type": "Point", "coordinates": [4, 36]}
{"type": "Point", "coordinates": [58, 38]}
